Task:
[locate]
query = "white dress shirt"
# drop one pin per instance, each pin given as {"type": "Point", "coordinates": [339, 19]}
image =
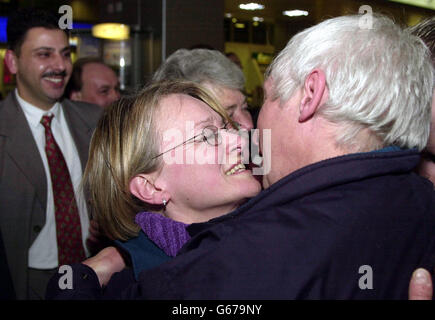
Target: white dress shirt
{"type": "Point", "coordinates": [43, 252]}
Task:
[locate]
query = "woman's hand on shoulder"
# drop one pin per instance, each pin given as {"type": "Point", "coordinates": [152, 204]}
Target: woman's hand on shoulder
{"type": "Point", "coordinates": [107, 262]}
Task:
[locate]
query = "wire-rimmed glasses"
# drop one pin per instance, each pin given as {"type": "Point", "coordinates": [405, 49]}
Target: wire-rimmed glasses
{"type": "Point", "coordinates": [210, 134]}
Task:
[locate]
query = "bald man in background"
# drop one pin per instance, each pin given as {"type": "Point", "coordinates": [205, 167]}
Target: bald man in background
{"type": "Point", "coordinates": [94, 82]}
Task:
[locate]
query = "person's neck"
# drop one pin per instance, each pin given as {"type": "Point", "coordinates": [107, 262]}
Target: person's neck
{"type": "Point", "coordinates": [321, 143]}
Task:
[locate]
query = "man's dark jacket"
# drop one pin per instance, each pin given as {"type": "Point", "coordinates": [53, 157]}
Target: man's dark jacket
{"type": "Point", "coordinates": [351, 227]}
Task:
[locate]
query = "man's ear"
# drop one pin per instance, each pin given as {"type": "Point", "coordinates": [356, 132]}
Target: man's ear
{"type": "Point", "coordinates": [11, 61]}
{"type": "Point", "coordinates": [315, 93]}
{"type": "Point", "coordinates": [76, 96]}
{"type": "Point", "coordinates": [142, 187]}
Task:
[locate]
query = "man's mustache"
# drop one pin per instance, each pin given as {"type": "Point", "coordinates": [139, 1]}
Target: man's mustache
{"type": "Point", "coordinates": [55, 74]}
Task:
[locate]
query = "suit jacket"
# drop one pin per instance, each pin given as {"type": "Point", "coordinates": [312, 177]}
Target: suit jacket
{"type": "Point", "coordinates": [23, 187]}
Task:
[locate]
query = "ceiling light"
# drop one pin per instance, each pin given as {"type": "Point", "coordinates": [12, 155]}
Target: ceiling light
{"type": "Point", "coordinates": [251, 6]}
{"type": "Point", "coordinates": [113, 31]}
{"type": "Point", "coordinates": [295, 13]}
{"type": "Point", "coordinates": [429, 4]}
{"type": "Point", "coordinates": [258, 19]}
{"type": "Point", "coordinates": [228, 15]}
{"type": "Point", "coordinates": [73, 41]}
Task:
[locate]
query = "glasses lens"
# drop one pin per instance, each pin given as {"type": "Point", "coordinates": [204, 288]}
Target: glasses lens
{"type": "Point", "coordinates": [211, 135]}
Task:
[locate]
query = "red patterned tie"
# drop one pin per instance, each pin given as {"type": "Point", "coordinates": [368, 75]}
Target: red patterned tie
{"type": "Point", "coordinates": [68, 229]}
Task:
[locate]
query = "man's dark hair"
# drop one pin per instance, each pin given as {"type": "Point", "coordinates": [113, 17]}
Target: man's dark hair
{"type": "Point", "coordinates": [25, 19]}
{"type": "Point", "coordinates": [75, 83]}
{"type": "Point", "coordinates": [426, 31]}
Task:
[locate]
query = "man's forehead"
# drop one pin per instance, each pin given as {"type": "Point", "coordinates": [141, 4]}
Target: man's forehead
{"type": "Point", "coordinates": [49, 38]}
{"type": "Point", "coordinates": [101, 67]}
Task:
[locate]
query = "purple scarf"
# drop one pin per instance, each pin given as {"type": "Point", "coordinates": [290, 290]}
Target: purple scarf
{"type": "Point", "coordinates": [167, 234]}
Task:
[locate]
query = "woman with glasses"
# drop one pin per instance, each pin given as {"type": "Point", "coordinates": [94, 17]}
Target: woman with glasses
{"type": "Point", "coordinates": [159, 161]}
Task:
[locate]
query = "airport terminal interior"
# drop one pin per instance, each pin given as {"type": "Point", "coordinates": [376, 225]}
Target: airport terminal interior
{"type": "Point", "coordinates": [135, 36]}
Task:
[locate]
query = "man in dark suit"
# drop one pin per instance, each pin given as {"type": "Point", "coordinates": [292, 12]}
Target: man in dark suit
{"type": "Point", "coordinates": [93, 81]}
{"type": "Point", "coordinates": [39, 134]}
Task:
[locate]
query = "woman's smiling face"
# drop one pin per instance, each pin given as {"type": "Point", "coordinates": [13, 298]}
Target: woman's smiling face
{"type": "Point", "coordinates": [204, 181]}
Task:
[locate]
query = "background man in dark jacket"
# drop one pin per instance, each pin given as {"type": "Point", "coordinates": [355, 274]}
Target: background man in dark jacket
{"type": "Point", "coordinates": [343, 215]}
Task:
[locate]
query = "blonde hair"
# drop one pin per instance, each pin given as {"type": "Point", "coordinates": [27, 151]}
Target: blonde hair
{"type": "Point", "coordinates": [125, 144]}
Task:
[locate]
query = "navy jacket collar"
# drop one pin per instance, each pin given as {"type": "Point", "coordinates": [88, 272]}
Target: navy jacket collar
{"type": "Point", "coordinates": [143, 253]}
{"type": "Point", "coordinates": [322, 175]}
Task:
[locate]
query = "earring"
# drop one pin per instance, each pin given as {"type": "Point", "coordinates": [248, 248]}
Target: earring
{"type": "Point", "coordinates": [164, 202]}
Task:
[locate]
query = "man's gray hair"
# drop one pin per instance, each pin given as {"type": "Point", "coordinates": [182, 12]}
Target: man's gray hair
{"type": "Point", "coordinates": [426, 31]}
{"type": "Point", "coordinates": [200, 66]}
{"type": "Point", "coordinates": [380, 80]}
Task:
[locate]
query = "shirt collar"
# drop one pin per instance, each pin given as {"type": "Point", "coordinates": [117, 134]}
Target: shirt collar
{"type": "Point", "coordinates": [34, 114]}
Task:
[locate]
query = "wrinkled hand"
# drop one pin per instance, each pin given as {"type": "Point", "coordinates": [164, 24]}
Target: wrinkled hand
{"type": "Point", "coordinates": [105, 264]}
{"type": "Point", "coordinates": [420, 286]}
